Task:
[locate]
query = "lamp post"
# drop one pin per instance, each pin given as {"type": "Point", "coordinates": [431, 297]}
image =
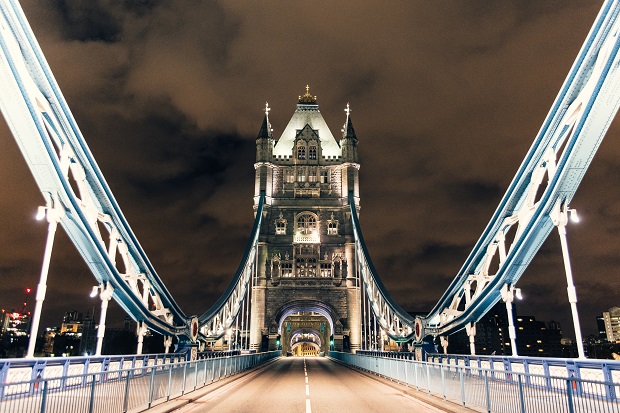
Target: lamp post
{"type": "Point", "coordinates": [53, 213]}
{"type": "Point", "coordinates": [229, 335]}
{"type": "Point", "coordinates": [105, 291]}
{"type": "Point", "coordinates": [509, 292]}
{"type": "Point", "coordinates": [559, 217]}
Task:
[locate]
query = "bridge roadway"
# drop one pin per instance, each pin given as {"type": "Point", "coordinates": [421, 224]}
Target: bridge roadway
{"type": "Point", "coordinates": [308, 384]}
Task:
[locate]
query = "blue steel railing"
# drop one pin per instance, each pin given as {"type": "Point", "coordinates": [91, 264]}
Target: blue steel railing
{"type": "Point", "coordinates": [597, 370]}
{"type": "Point", "coordinates": [492, 390]}
{"type": "Point", "coordinates": [21, 370]}
{"type": "Point", "coordinates": [127, 389]}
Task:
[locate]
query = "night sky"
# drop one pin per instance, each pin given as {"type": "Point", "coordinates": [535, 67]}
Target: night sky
{"type": "Point", "coordinates": [446, 98]}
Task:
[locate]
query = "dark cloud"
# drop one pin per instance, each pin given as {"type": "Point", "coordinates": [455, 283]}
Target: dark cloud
{"type": "Point", "coordinates": [447, 97]}
{"type": "Point", "coordinates": [86, 20]}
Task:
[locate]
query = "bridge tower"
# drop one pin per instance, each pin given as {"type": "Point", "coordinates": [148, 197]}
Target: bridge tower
{"type": "Point", "coordinates": [306, 291]}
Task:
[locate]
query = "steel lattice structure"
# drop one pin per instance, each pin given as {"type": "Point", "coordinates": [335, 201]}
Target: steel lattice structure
{"type": "Point", "coordinates": [79, 198]}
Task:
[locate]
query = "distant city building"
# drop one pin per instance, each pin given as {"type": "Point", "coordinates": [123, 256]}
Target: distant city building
{"type": "Point", "coordinates": [88, 343]}
{"type": "Point", "coordinates": [611, 320]}
{"type": "Point", "coordinates": [15, 332]}
{"type": "Point", "coordinates": [600, 324]}
{"type": "Point", "coordinates": [67, 341]}
{"type": "Point", "coordinates": [48, 345]}
{"type": "Point", "coordinates": [534, 338]}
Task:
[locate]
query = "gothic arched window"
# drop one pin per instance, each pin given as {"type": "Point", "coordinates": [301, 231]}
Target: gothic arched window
{"type": "Point", "coordinates": [312, 152]}
{"type": "Point", "coordinates": [301, 152]}
{"type": "Point", "coordinates": [306, 224]}
{"type": "Point", "coordinates": [306, 228]}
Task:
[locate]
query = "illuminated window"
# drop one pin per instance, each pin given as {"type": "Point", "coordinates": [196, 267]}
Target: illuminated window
{"type": "Point", "coordinates": [301, 174]}
{"type": "Point", "coordinates": [312, 153]}
{"type": "Point", "coordinates": [281, 228]}
{"type": "Point", "coordinates": [332, 226]}
{"type": "Point", "coordinates": [301, 152]}
{"type": "Point", "coordinates": [280, 225]}
{"type": "Point", "coordinates": [287, 269]}
{"type": "Point", "coordinates": [289, 175]}
{"type": "Point", "coordinates": [306, 267]}
{"type": "Point", "coordinates": [306, 224]}
{"type": "Point", "coordinates": [306, 228]}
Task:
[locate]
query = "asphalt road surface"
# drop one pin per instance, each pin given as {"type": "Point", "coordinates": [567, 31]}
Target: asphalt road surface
{"type": "Point", "coordinates": [306, 385]}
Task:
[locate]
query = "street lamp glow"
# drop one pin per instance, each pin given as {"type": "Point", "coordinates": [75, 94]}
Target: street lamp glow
{"type": "Point", "coordinates": [518, 294]}
{"type": "Point", "coordinates": [573, 215]}
{"type": "Point", "coordinates": [40, 213]}
{"type": "Point", "coordinates": [94, 291]}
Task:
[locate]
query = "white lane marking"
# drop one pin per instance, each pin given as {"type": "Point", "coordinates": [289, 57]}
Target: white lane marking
{"type": "Point", "coordinates": [308, 408]}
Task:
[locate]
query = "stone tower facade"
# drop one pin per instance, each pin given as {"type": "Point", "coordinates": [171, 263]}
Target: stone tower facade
{"type": "Point", "coordinates": [306, 287]}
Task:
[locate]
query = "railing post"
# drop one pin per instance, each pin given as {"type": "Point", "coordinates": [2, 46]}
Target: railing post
{"type": "Point", "coordinates": [406, 376]}
{"type": "Point", "coordinates": [169, 381]}
{"type": "Point", "coordinates": [521, 397]}
{"type": "Point", "coordinates": [462, 379]}
{"type": "Point", "coordinates": [196, 375]}
{"type": "Point", "coordinates": [486, 389]}
{"type": "Point", "coordinates": [126, 400]}
{"type": "Point", "coordinates": [91, 403]}
{"type": "Point", "coordinates": [44, 396]}
{"type": "Point", "coordinates": [151, 386]}
{"type": "Point", "coordinates": [569, 396]}
{"type": "Point", "coordinates": [184, 378]}
{"type": "Point", "coordinates": [443, 381]}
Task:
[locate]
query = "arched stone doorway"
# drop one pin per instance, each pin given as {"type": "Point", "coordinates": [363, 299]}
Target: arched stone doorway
{"type": "Point", "coordinates": [307, 327]}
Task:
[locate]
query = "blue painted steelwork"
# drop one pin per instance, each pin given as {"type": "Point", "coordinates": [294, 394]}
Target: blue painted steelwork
{"type": "Point", "coordinates": [393, 319]}
{"type": "Point", "coordinates": [563, 150]}
{"type": "Point", "coordinates": [58, 157]}
{"type": "Point", "coordinates": [20, 370]}
{"type": "Point", "coordinates": [129, 388]}
{"type": "Point", "coordinates": [60, 161]}
{"type": "Point", "coordinates": [221, 315]}
{"type": "Point", "coordinates": [494, 388]}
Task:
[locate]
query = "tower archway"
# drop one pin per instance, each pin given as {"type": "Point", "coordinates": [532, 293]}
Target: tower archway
{"type": "Point", "coordinates": [305, 327]}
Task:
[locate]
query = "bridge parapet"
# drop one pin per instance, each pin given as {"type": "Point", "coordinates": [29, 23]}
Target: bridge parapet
{"type": "Point", "coordinates": [140, 383]}
{"type": "Point", "coordinates": [500, 384]}
{"type": "Point", "coordinates": [21, 370]}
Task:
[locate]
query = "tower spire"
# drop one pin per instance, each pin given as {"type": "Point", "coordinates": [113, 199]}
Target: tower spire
{"type": "Point", "coordinates": [347, 128]}
{"type": "Point", "coordinates": [348, 143]}
{"type": "Point", "coordinates": [307, 98]}
{"type": "Point", "coordinates": [265, 129]}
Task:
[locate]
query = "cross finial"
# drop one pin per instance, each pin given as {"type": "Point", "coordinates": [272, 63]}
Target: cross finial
{"type": "Point", "coordinates": [307, 88]}
{"type": "Point", "coordinates": [267, 109]}
{"type": "Point", "coordinates": [348, 109]}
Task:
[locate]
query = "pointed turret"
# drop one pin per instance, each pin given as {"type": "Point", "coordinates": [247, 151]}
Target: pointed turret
{"type": "Point", "coordinates": [264, 140]}
{"type": "Point", "coordinates": [264, 152]}
{"type": "Point", "coordinates": [348, 143]}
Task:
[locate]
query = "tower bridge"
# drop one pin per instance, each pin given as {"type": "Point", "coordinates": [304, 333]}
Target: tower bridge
{"type": "Point", "coordinates": [306, 283]}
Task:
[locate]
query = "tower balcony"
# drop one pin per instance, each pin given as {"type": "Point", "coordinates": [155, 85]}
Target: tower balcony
{"type": "Point", "coordinates": [307, 238]}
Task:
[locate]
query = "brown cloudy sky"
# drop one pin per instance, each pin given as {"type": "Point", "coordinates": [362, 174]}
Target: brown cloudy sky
{"type": "Point", "coordinates": [447, 97]}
